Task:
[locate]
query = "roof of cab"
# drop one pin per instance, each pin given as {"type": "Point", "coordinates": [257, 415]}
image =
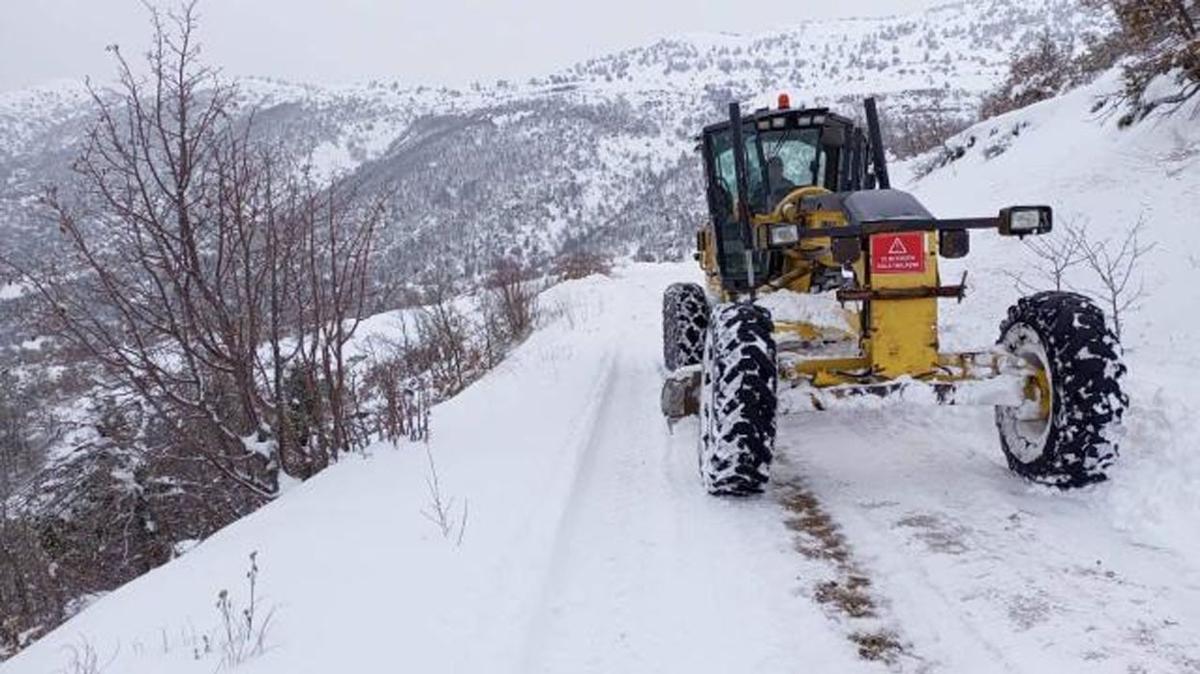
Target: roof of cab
{"type": "Point", "coordinates": [767, 113]}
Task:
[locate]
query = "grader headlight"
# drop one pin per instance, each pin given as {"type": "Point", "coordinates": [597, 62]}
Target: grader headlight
{"type": "Point", "coordinates": [783, 234]}
{"type": "Point", "coordinates": [1026, 220]}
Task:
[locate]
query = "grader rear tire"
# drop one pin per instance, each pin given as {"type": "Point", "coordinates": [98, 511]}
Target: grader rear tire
{"type": "Point", "coordinates": [1065, 335]}
{"type": "Point", "coordinates": [738, 401]}
{"type": "Point", "coordinates": [685, 322]}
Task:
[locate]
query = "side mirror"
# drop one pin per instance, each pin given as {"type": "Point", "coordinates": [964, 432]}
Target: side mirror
{"type": "Point", "coordinates": [1025, 220]}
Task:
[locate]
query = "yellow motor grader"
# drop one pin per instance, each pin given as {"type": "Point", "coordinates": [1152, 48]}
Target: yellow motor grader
{"type": "Point", "coordinates": [800, 206]}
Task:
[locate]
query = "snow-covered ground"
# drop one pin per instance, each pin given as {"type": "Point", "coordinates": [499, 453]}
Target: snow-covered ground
{"type": "Point", "coordinates": [1073, 156]}
{"type": "Point", "coordinates": [589, 545]}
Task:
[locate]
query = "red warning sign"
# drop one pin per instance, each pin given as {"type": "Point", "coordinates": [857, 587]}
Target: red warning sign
{"type": "Point", "coordinates": [902, 253]}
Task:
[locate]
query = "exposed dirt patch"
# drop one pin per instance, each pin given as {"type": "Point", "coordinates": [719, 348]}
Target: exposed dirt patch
{"type": "Point", "coordinates": [819, 537]}
{"type": "Point", "coordinates": [879, 646]}
{"type": "Point", "coordinates": [847, 594]}
{"type": "Point", "coordinates": [849, 597]}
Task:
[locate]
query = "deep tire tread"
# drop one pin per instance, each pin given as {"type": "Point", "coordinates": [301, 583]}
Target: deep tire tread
{"type": "Point", "coordinates": [685, 324]}
{"type": "Point", "coordinates": [738, 401]}
{"type": "Point", "coordinates": [1088, 399]}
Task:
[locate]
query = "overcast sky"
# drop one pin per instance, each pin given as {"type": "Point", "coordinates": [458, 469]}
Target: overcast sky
{"type": "Point", "coordinates": [428, 41]}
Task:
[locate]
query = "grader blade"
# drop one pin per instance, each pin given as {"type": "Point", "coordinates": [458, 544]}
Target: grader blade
{"type": "Point", "coordinates": [681, 393]}
{"type": "Point", "coordinates": [1003, 390]}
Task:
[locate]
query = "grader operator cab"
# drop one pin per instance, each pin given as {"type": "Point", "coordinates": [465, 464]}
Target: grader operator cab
{"type": "Point", "coordinates": [801, 210]}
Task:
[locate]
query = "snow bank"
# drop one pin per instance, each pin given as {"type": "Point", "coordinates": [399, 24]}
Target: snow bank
{"type": "Point", "coordinates": [1068, 152]}
{"type": "Point", "coordinates": [12, 291]}
{"type": "Point", "coordinates": [588, 545]}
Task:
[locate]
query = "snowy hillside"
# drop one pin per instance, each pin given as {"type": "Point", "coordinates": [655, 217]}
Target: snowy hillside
{"type": "Point", "coordinates": [1069, 153]}
{"type": "Point", "coordinates": [587, 547]}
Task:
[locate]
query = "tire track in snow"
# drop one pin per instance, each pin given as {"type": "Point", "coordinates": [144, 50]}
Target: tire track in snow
{"type": "Point", "coordinates": [560, 548]}
{"type": "Point", "coordinates": [566, 496]}
{"type": "Point", "coordinates": [987, 572]}
{"type": "Point", "coordinates": [648, 573]}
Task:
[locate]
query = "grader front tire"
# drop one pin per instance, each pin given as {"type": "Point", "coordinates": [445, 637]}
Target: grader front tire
{"type": "Point", "coordinates": [1066, 337]}
{"type": "Point", "coordinates": [738, 401]}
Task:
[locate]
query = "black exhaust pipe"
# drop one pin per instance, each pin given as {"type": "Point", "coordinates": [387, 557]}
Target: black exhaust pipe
{"type": "Point", "coordinates": [878, 156]}
{"type": "Point", "coordinates": [743, 189]}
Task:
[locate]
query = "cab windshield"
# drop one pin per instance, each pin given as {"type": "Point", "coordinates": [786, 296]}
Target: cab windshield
{"type": "Point", "coordinates": [777, 161]}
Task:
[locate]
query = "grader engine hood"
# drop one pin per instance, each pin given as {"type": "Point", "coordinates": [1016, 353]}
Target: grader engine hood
{"type": "Point", "coordinates": [883, 205]}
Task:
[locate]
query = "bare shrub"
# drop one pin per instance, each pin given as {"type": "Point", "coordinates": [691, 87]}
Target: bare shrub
{"type": "Point", "coordinates": [82, 658]}
{"type": "Point", "coordinates": [513, 294]}
{"type": "Point", "coordinates": [1054, 255]}
{"type": "Point", "coordinates": [442, 348]}
{"type": "Point", "coordinates": [441, 508]}
{"type": "Point", "coordinates": [445, 350]}
{"type": "Point", "coordinates": [580, 264]}
{"type": "Point", "coordinates": [1114, 265]}
{"type": "Point", "coordinates": [915, 132]}
{"type": "Point", "coordinates": [242, 633]}
{"type": "Point", "coordinates": [401, 401]}
{"type": "Point", "coordinates": [1117, 267]}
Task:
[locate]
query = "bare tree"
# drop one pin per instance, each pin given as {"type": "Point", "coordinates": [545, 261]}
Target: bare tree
{"type": "Point", "coordinates": [217, 287]}
{"type": "Point", "coordinates": [1160, 38]}
{"type": "Point", "coordinates": [201, 266]}
{"type": "Point", "coordinates": [1034, 75]}
{"type": "Point", "coordinates": [1116, 267]}
{"type": "Point", "coordinates": [337, 233]}
{"type": "Point", "coordinates": [1054, 255]}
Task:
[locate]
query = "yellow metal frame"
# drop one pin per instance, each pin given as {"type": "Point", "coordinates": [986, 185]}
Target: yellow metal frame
{"type": "Point", "coordinates": [902, 333]}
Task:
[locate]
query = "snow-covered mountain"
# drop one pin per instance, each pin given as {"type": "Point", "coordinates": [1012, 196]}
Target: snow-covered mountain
{"type": "Point", "coordinates": [599, 154]}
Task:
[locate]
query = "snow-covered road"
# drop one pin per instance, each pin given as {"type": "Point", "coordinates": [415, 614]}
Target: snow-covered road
{"type": "Point", "coordinates": [889, 540]}
{"type": "Point", "coordinates": [649, 574]}
{"type": "Point", "coordinates": [982, 571]}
